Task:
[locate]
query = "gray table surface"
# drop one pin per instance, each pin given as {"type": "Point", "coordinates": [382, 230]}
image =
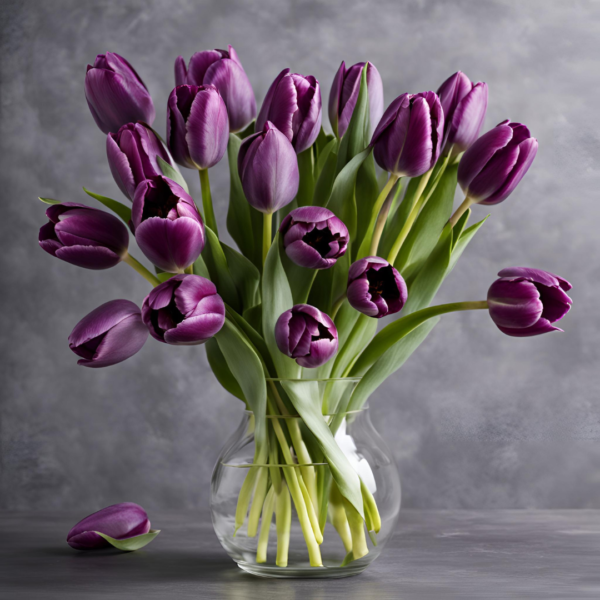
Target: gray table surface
{"type": "Point", "coordinates": [434, 554]}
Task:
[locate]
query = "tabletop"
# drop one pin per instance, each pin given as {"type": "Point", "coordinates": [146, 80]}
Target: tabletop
{"type": "Point", "coordinates": [434, 554]}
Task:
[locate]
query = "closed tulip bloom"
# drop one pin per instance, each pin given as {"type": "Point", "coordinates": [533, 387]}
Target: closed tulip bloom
{"type": "Point", "coordinates": [526, 302]}
{"type": "Point", "coordinates": [116, 94]}
{"type": "Point", "coordinates": [184, 311]}
{"type": "Point", "coordinates": [313, 237]}
{"type": "Point", "coordinates": [168, 227]}
{"type": "Point", "coordinates": [132, 156]}
{"type": "Point", "coordinates": [109, 335]}
{"type": "Point", "coordinates": [493, 166]}
{"type": "Point", "coordinates": [464, 104]}
{"type": "Point", "coordinates": [408, 140]}
{"type": "Point", "coordinates": [197, 126]}
{"type": "Point", "coordinates": [307, 335]}
{"type": "Point", "coordinates": [223, 69]}
{"type": "Point", "coordinates": [344, 94]}
{"type": "Point", "coordinates": [268, 169]}
{"type": "Point", "coordinates": [293, 105]}
{"type": "Point", "coordinates": [119, 521]}
{"type": "Point", "coordinates": [375, 288]}
{"type": "Point", "coordinates": [84, 236]}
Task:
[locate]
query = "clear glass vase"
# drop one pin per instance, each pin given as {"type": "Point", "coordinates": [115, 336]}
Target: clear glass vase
{"type": "Point", "coordinates": [285, 516]}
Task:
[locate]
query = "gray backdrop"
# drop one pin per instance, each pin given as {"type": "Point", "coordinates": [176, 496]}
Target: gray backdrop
{"type": "Point", "coordinates": [475, 419]}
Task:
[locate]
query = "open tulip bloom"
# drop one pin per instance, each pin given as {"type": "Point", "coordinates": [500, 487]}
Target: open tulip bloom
{"type": "Point", "coordinates": [304, 304]}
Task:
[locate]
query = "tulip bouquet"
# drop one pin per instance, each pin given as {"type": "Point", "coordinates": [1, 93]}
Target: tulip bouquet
{"type": "Point", "coordinates": [328, 243]}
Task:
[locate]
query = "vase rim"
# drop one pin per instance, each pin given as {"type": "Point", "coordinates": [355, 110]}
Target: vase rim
{"type": "Point", "coordinates": [355, 411]}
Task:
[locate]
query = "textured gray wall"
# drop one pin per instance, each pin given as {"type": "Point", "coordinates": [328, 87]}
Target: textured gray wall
{"type": "Point", "coordinates": [475, 419]}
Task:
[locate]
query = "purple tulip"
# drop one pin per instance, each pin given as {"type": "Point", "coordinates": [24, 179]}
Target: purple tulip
{"type": "Point", "coordinates": [168, 227]}
{"type": "Point", "coordinates": [293, 105]}
{"type": "Point", "coordinates": [84, 236]}
{"type": "Point", "coordinates": [313, 237]}
{"type": "Point", "coordinates": [464, 104]}
{"type": "Point", "coordinates": [307, 335]}
{"type": "Point", "coordinates": [184, 310]}
{"type": "Point", "coordinates": [375, 288]}
{"type": "Point", "coordinates": [132, 156]}
{"type": "Point", "coordinates": [109, 335]}
{"type": "Point", "coordinates": [526, 302]}
{"type": "Point", "coordinates": [344, 94]}
{"type": "Point", "coordinates": [115, 93]}
{"type": "Point", "coordinates": [197, 126]}
{"type": "Point", "coordinates": [223, 69]}
{"type": "Point", "coordinates": [493, 166]}
{"type": "Point", "coordinates": [408, 139]}
{"type": "Point", "coordinates": [268, 169]}
{"type": "Point", "coordinates": [119, 521]}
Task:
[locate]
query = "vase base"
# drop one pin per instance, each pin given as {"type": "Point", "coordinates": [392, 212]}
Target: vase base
{"type": "Point", "coordinates": [301, 572]}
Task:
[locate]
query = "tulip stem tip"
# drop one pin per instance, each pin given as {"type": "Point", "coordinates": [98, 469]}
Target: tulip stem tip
{"type": "Point", "coordinates": [141, 269]}
{"type": "Point", "coordinates": [207, 205]}
{"type": "Point", "coordinates": [382, 206]}
{"type": "Point", "coordinates": [267, 234]}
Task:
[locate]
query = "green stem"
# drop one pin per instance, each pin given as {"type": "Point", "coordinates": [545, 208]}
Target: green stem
{"type": "Point", "coordinates": [262, 484]}
{"type": "Point", "coordinates": [265, 526]}
{"type": "Point", "coordinates": [283, 520]}
{"type": "Point", "coordinates": [337, 306]}
{"type": "Point", "coordinates": [207, 205]}
{"type": "Point", "coordinates": [267, 234]}
{"type": "Point", "coordinates": [141, 269]}
{"type": "Point", "coordinates": [384, 210]}
{"type": "Point", "coordinates": [420, 202]}
{"type": "Point", "coordinates": [189, 270]}
{"type": "Point", "coordinates": [467, 202]}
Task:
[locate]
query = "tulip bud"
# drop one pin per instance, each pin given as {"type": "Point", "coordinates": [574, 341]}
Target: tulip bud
{"type": "Point", "coordinates": [184, 310]}
{"type": "Point", "coordinates": [168, 227]}
{"type": "Point", "coordinates": [119, 521]}
{"type": "Point", "coordinates": [375, 288]}
{"type": "Point", "coordinates": [84, 236]}
{"type": "Point", "coordinates": [293, 105]}
{"type": "Point", "coordinates": [313, 237]}
{"type": "Point", "coordinates": [408, 139]}
{"type": "Point", "coordinates": [307, 335]}
{"type": "Point", "coordinates": [464, 104]}
{"type": "Point", "coordinates": [132, 156]}
{"type": "Point", "coordinates": [109, 335]}
{"type": "Point", "coordinates": [493, 166]}
{"type": "Point", "coordinates": [344, 94]}
{"type": "Point", "coordinates": [268, 169]}
{"type": "Point", "coordinates": [223, 69]}
{"type": "Point", "coordinates": [197, 126]}
{"type": "Point", "coordinates": [115, 93]}
{"type": "Point", "coordinates": [526, 302]}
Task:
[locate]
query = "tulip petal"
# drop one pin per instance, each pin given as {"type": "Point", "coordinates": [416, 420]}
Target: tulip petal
{"type": "Point", "coordinates": [297, 327]}
{"type": "Point", "coordinates": [514, 303]}
{"type": "Point", "coordinates": [537, 276]}
{"type": "Point", "coordinates": [195, 330]}
{"type": "Point", "coordinates": [120, 167]}
{"type": "Point", "coordinates": [190, 293]}
{"type": "Point", "coordinates": [468, 118]}
{"type": "Point", "coordinates": [392, 140]}
{"type": "Point", "coordinates": [263, 115]}
{"type": "Point", "coordinates": [556, 303]}
{"type": "Point", "coordinates": [176, 130]}
{"type": "Point", "coordinates": [91, 227]}
{"type": "Point", "coordinates": [282, 329]}
{"type": "Point", "coordinates": [360, 299]}
{"type": "Point", "coordinates": [416, 155]}
{"type": "Point", "coordinates": [283, 106]}
{"type": "Point", "coordinates": [306, 122]}
{"type": "Point", "coordinates": [180, 71]}
{"type": "Point", "coordinates": [375, 89]}
{"type": "Point", "coordinates": [335, 98]}
{"type": "Point", "coordinates": [199, 64]}
{"type": "Point", "coordinates": [320, 352]}
{"type": "Point", "coordinates": [306, 256]}
{"type": "Point", "coordinates": [96, 258]}
{"type": "Point", "coordinates": [492, 177]}
{"type": "Point", "coordinates": [389, 116]}
{"type": "Point", "coordinates": [542, 326]}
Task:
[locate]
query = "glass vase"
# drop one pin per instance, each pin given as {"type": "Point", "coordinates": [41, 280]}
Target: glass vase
{"type": "Point", "coordinates": [285, 515]}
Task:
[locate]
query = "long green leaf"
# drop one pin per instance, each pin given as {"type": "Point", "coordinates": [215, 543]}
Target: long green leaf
{"type": "Point", "coordinates": [389, 362]}
{"type": "Point", "coordinates": [117, 207]}
{"type": "Point", "coordinates": [306, 188]}
{"type": "Point", "coordinates": [49, 200]}
{"type": "Point", "coordinates": [326, 169]}
{"type": "Point", "coordinates": [464, 239]}
{"type": "Point", "coordinates": [172, 173]}
{"type": "Point", "coordinates": [222, 372]}
{"type": "Point", "coordinates": [367, 191]}
{"type": "Point", "coordinates": [276, 299]}
{"type": "Point", "coordinates": [245, 276]}
{"type": "Point", "coordinates": [247, 369]}
{"type": "Point", "coordinates": [133, 543]}
{"type": "Point", "coordinates": [305, 397]}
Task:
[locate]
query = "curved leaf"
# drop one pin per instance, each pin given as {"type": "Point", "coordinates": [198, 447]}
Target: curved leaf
{"type": "Point", "coordinates": [117, 207]}
{"type": "Point", "coordinates": [222, 372]}
{"type": "Point", "coordinates": [245, 276]}
{"type": "Point", "coordinates": [49, 200]}
{"type": "Point", "coordinates": [133, 543]}
{"type": "Point", "coordinates": [172, 173]}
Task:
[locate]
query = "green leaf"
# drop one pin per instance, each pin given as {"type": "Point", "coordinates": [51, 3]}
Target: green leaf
{"type": "Point", "coordinates": [49, 200]}
{"type": "Point", "coordinates": [389, 362]}
{"type": "Point", "coordinates": [367, 191]}
{"type": "Point", "coordinates": [326, 171]}
{"type": "Point", "coordinates": [306, 399]}
{"type": "Point", "coordinates": [356, 138]}
{"type": "Point", "coordinates": [222, 372]}
{"type": "Point", "coordinates": [362, 333]}
{"type": "Point", "coordinates": [322, 141]}
{"type": "Point", "coordinates": [133, 543]}
{"type": "Point", "coordinates": [245, 276]}
{"type": "Point", "coordinates": [306, 189]}
{"type": "Point", "coordinates": [276, 299]}
{"type": "Point", "coordinates": [163, 276]}
{"type": "Point", "coordinates": [342, 201]}
{"type": "Point", "coordinates": [239, 219]}
{"type": "Point", "coordinates": [463, 241]}
{"type": "Point", "coordinates": [120, 209]}
{"type": "Point", "coordinates": [247, 369]}
{"type": "Point", "coordinates": [300, 279]}
{"type": "Point", "coordinates": [172, 173]}
{"type": "Point", "coordinates": [217, 266]}
{"type": "Point", "coordinates": [200, 268]}
{"type": "Point", "coordinates": [247, 132]}
{"type": "Point", "coordinates": [428, 226]}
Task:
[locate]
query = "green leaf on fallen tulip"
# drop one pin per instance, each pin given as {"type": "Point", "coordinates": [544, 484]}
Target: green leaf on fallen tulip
{"type": "Point", "coordinates": [49, 200]}
{"type": "Point", "coordinates": [133, 543]}
{"type": "Point", "coordinates": [172, 173]}
{"type": "Point", "coordinates": [117, 207]}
